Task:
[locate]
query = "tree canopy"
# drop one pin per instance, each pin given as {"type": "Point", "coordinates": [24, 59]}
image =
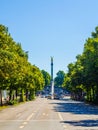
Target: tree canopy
{"type": "Point", "coordinates": [59, 79]}
{"type": "Point", "coordinates": [82, 76]}
{"type": "Point", "coordinates": [16, 74]}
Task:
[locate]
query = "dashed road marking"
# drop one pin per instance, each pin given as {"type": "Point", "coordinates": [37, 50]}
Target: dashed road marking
{"type": "Point", "coordinates": [61, 118]}
{"type": "Point", "coordinates": [29, 117]}
{"type": "Point", "coordinates": [64, 126]}
{"type": "Point", "coordinates": [21, 127]}
{"type": "Point", "coordinates": [24, 123]}
{"type": "Point", "coordinates": [44, 114]}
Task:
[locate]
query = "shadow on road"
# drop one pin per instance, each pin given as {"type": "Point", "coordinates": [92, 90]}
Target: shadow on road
{"type": "Point", "coordinates": [75, 107]}
{"type": "Point", "coordinates": [83, 123]}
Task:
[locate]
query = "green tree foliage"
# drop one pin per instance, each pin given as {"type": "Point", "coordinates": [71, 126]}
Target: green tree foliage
{"type": "Point", "coordinates": [38, 77]}
{"type": "Point", "coordinates": [59, 79]}
{"type": "Point", "coordinates": [16, 74]}
{"type": "Point", "coordinates": [83, 74]}
{"type": "Point", "coordinates": [47, 77]}
{"type": "Point", "coordinates": [90, 64]}
{"type": "Point", "coordinates": [95, 34]}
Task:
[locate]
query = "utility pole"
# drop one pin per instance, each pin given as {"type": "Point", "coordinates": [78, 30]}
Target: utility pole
{"type": "Point", "coordinates": [52, 82]}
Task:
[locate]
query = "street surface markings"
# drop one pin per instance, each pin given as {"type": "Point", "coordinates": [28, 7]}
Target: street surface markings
{"type": "Point", "coordinates": [21, 127]}
{"type": "Point", "coordinates": [61, 118]}
{"type": "Point", "coordinates": [64, 126]}
{"type": "Point", "coordinates": [24, 123]}
{"type": "Point", "coordinates": [44, 114]}
{"type": "Point", "coordinates": [30, 117]}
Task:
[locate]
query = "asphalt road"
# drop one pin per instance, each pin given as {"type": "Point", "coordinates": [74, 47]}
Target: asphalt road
{"type": "Point", "coordinates": [46, 114]}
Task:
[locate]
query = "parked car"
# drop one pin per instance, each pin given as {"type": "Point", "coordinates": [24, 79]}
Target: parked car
{"type": "Point", "coordinates": [56, 96]}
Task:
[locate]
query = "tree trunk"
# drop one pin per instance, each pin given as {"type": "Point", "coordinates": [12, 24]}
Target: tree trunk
{"type": "Point", "coordinates": [93, 92]}
{"type": "Point", "coordinates": [16, 93]}
{"type": "Point", "coordinates": [22, 95]}
{"type": "Point", "coordinates": [26, 94]}
{"type": "Point", "coordinates": [10, 95]}
{"type": "Point", "coordinates": [32, 94]}
{"type": "Point", "coordinates": [96, 95]}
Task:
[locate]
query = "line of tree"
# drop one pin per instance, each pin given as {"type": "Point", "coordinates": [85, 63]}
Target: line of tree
{"type": "Point", "coordinates": [59, 79]}
{"type": "Point", "coordinates": [47, 77]}
{"type": "Point", "coordinates": [82, 76]}
{"type": "Point", "coordinates": [18, 76]}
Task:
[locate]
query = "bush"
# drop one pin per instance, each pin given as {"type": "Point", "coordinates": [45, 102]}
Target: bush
{"type": "Point", "coordinates": [12, 102]}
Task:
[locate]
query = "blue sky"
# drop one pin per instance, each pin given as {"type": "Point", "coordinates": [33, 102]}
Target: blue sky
{"type": "Point", "coordinates": [48, 28]}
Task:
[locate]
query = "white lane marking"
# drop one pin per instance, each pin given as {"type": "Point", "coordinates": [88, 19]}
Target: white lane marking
{"type": "Point", "coordinates": [61, 118]}
{"type": "Point", "coordinates": [64, 126]}
{"type": "Point", "coordinates": [21, 127]}
{"type": "Point", "coordinates": [44, 114]}
{"type": "Point", "coordinates": [24, 123]}
{"type": "Point", "coordinates": [29, 117]}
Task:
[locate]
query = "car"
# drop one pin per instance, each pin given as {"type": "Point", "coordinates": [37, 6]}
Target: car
{"type": "Point", "coordinates": [42, 96]}
{"type": "Point", "coordinates": [46, 95]}
{"type": "Point", "coordinates": [56, 96]}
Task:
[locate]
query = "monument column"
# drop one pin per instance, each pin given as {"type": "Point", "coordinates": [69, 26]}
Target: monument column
{"type": "Point", "coordinates": [51, 68]}
{"type": "Point", "coordinates": [52, 82]}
